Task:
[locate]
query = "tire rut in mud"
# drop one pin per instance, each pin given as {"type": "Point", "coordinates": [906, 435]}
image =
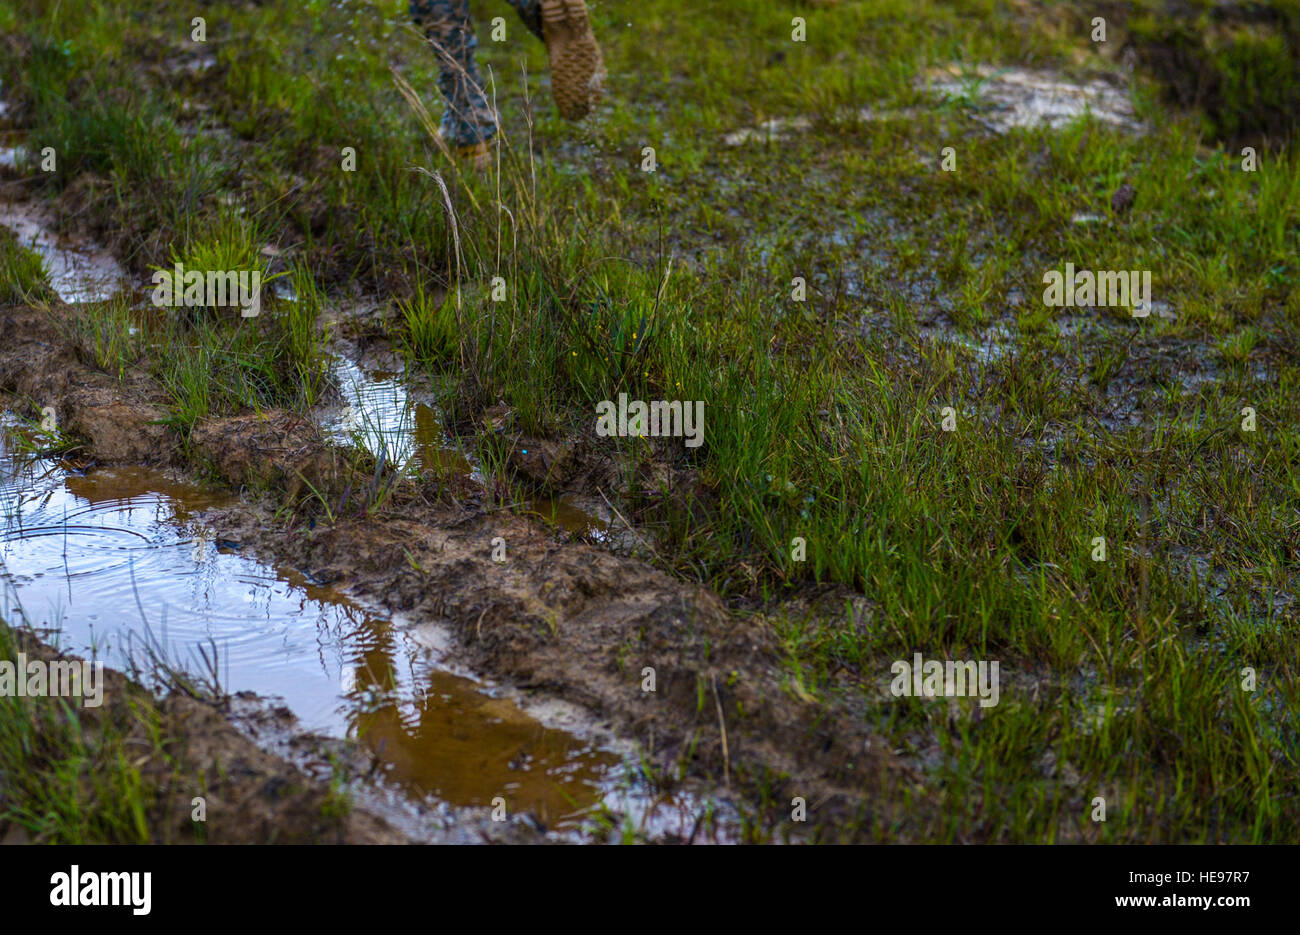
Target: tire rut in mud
{"type": "Point", "coordinates": [567, 619]}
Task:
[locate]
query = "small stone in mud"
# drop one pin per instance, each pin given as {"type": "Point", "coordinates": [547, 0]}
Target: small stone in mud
{"type": "Point", "coordinates": [1123, 198]}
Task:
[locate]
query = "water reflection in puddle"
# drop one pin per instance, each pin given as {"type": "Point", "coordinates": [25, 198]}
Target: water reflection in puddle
{"type": "Point", "coordinates": [13, 155]}
{"type": "Point", "coordinates": [379, 415]}
{"type": "Point", "coordinates": [564, 513]}
{"type": "Point", "coordinates": [99, 556]}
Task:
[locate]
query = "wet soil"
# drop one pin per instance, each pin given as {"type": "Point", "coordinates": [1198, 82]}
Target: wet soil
{"type": "Point", "coordinates": [107, 549]}
{"type": "Point", "coordinates": [113, 558]}
{"type": "Point", "coordinates": [564, 620]}
{"type": "Point", "coordinates": [1000, 99]}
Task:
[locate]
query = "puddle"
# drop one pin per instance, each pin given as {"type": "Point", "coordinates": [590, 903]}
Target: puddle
{"type": "Point", "coordinates": [13, 154]}
{"type": "Point", "coordinates": [780, 128]}
{"type": "Point", "coordinates": [1002, 99]}
{"type": "Point", "coordinates": [769, 131]}
{"type": "Point", "coordinates": [193, 66]}
{"type": "Point", "coordinates": [586, 520]}
{"type": "Point", "coordinates": [379, 414]}
{"type": "Point", "coordinates": [991, 346]}
{"type": "Point", "coordinates": [1011, 98]}
{"type": "Point", "coordinates": [120, 558]}
{"type": "Point", "coordinates": [78, 271]}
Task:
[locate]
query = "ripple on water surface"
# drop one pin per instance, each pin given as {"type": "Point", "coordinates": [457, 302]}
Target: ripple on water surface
{"type": "Point", "coordinates": [99, 555]}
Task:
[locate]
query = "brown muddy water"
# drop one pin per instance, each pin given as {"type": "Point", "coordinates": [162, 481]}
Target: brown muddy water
{"type": "Point", "coordinates": [108, 563]}
{"type": "Point", "coordinates": [380, 414]}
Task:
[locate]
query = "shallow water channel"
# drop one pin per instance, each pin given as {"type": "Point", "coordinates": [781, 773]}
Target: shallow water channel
{"type": "Point", "coordinates": [117, 564]}
{"type": "Point", "coordinates": [119, 558]}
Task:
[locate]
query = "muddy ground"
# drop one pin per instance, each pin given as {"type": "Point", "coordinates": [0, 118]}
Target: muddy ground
{"type": "Point", "coordinates": [922, 280]}
{"type": "Point", "coordinates": [561, 618]}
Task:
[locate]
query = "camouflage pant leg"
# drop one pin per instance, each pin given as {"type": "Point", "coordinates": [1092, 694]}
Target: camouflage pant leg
{"type": "Point", "coordinates": [469, 117]}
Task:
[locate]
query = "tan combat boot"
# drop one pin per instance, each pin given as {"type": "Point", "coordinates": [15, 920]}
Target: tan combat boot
{"type": "Point", "coordinates": [477, 156]}
{"type": "Point", "coordinates": [577, 69]}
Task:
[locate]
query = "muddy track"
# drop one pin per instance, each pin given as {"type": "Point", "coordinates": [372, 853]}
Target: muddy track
{"type": "Point", "coordinates": [563, 618]}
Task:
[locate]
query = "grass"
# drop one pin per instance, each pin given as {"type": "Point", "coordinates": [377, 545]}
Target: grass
{"type": "Point", "coordinates": [72, 779]}
{"type": "Point", "coordinates": [124, 772]}
{"type": "Point", "coordinates": [823, 417]}
{"type": "Point", "coordinates": [22, 272]}
{"type": "Point", "coordinates": [429, 333]}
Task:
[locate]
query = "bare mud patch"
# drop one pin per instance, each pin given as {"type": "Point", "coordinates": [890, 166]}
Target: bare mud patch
{"type": "Point", "coordinates": [1005, 99]}
{"type": "Point", "coordinates": [1000, 99]}
{"type": "Point", "coordinates": [119, 420]}
{"type": "Point", "coordinates": [77, 269]}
